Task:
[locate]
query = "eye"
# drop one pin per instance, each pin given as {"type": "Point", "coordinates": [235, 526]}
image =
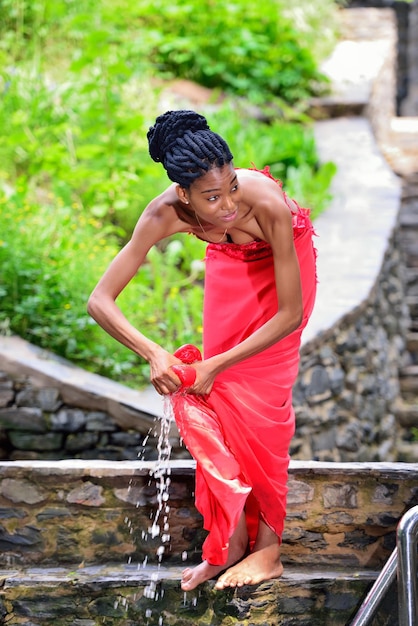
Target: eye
{"type": "Point", "coordinates": [213, 198]}
{"type": "Point", "coordinates": [234, 188]}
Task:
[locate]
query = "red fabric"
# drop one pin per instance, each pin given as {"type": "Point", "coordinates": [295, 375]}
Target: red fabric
{"type": "Point", "coordinates": [240, 433]}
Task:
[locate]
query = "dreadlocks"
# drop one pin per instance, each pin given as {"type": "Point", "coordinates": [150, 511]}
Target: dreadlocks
{"type": "Point", "coordinates": [183, 142]}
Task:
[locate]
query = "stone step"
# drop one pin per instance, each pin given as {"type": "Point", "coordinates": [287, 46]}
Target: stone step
{"type": "Point", "coordinates": [409, 219]}
{"type": "Point", "coordinates": [410, 251]}
{"type": "Point", "coordinates": [407, 451]}
{"type": "Point", "coordinates": [407, 413]}
{"type": "Point", "coordinates": [151, 596]}
{"type": "Point", "coordinates": [408, 381]}
{"type": "Point", "coordinates": [412, 302]}
{"type": "Point", "coordinates": [412, 342]}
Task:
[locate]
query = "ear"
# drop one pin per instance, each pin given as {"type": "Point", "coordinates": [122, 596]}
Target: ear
{"type": "Point", "coordinates": [182, 194]}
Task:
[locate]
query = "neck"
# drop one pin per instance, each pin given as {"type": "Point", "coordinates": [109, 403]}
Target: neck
{"type": "Point", "coordinates": [206, 234]}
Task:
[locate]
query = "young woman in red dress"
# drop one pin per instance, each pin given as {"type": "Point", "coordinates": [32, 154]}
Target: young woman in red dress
{"type": "Point", "coordinates": [235, 410]}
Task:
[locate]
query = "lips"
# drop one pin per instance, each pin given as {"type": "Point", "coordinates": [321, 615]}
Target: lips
{"type": "Point", "coordinates": [230, 217]}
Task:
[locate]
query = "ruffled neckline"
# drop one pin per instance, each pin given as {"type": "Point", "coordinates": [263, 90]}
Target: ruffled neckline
{"type": "Point", "coordinates": [257, 249]}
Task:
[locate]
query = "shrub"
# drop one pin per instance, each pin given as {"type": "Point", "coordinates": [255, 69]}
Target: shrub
{"type": "Point", "coordinates": [77, 94]}
{"type": "Point", "coordinates": [243, 48]}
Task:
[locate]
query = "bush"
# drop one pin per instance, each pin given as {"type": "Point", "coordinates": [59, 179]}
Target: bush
{"type": "Point", "coordinates": [77, 89]}
{"type": "Point", "coordinates": [50, 261]}
{"type": "Point", "coordinates": [243, 48]}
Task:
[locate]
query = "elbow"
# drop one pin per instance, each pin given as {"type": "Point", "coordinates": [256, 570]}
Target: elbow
{"type": "Point", "coordinates": [295, 320]}
{"type": "Point", "coordinates": [298, 318]}
{"type": "Point", "coordinates": [298, 322]}
{"type": "Point", "coordinates": [294, 325]}
{"type": "Point", "coordinates": [93, 305]}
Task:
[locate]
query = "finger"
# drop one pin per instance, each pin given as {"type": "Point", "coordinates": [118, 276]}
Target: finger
{"type": "Point", "coordinates": [166, 387]}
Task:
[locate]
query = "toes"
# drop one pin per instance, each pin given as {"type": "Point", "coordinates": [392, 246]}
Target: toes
{"type": "Point", "coordinates": [187, 574]}
{"type": "Point", "coordinates": [221, 584]}
{"type": "Point", "coordinates": [185, 585]}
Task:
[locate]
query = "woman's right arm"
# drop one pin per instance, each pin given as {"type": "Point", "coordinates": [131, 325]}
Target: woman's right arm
{"type": "Point", "coordinates": [151, 228]}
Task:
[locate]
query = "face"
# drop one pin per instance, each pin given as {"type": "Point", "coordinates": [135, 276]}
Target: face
{"type": "Point", "coordinates": [215, 196]}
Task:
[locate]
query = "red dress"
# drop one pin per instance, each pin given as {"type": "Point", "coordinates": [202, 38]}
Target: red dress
{"type": "Point", "coordinates": [240, 433]}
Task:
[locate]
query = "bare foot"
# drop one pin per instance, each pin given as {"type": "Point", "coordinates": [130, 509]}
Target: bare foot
{"type": "Point", "coordinates": [256, 567]}
{"type": "Point", "coordinates": [192, 577]}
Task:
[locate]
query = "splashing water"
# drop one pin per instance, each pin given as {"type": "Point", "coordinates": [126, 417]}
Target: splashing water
{"type": "Point", "coordinates": [159, 526]}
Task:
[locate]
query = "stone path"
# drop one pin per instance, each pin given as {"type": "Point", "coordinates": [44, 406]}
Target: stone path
{"type": "Point", "coordinates": [367, 189]}
{"type": "Point", "coordinates": [355, 228]}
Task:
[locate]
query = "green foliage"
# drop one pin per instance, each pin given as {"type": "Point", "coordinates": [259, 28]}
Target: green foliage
{"type": "Point", "coordinates": [48, 254]}
{"type": "Point", "coordinates": [311, 18]}
{"type": "Point", "coordinates": [83, 138]}
{"type": "Point", "coordinates": [77, 95]}
{"type": "Point", "coordinates": [239, 47]}
{"type": "Point", "coordinates": [50, 258]}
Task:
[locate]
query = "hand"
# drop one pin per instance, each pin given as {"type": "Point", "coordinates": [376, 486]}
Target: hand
{"type": "Point", "coordinates": [162, 375]}
{"type": "Point", "coordinates": [196, 376]}
{"type": "Point", "coordinates": [204, 378]}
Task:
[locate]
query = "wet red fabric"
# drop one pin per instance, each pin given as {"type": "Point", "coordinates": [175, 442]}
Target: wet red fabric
{"type": "Point", "coordinates": [240, 433]}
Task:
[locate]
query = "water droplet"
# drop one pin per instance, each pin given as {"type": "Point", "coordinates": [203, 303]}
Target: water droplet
{"type": "Point", "coordinates": [149, 592]}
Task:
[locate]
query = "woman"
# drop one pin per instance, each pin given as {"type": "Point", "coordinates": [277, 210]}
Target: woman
{"type": "Point", "coordinates": [236, 418]}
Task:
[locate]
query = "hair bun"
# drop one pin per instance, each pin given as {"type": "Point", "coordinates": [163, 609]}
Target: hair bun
{"type": "Point", "coordinates": [169, 128]}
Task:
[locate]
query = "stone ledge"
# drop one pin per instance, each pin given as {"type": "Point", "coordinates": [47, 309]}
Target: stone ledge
{"type": "Point", "coordinates": [99, 468]}
{"type": "Point", "coordinates": [53, 513]}
{"type": "Point", "coordinates": [124, 596]}
{"type": "Point", "coordinates": [128, 575]}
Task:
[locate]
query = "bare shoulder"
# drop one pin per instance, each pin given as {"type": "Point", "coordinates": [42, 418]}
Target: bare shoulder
{"type": "Point", "coordinates": [256, 177]}
{"type": "Point", "coordinates": [263, 193]}
{"type": "Point", "coordinates": [160, 216]}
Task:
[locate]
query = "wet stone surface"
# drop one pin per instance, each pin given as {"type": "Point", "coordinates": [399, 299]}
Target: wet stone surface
{"type": "Point", "coordinates": [152, 598]}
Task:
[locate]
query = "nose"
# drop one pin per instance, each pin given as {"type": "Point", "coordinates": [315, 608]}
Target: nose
{"type": "Point", "coordinates": [229, 204]}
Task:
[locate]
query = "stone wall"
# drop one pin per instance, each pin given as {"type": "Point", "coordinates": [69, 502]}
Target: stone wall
{"type": "Point", "coordinates": [349, 376]}
{"type": "Point", "coordinates": [38, 420]}
{"type": "Point", "coordinates": [94, 543]}
{"type": "Point", "coordinates": [96, 512]}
